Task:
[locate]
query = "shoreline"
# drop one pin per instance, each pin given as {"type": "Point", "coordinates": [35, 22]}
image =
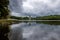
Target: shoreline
{"type": "Point", "coordinates": [15, 20]}
{"type": "Point", "coordinates": [31, 20]}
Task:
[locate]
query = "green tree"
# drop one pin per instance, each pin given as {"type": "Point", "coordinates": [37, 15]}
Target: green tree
{"type": "Point", "coordinates": [4, 11]}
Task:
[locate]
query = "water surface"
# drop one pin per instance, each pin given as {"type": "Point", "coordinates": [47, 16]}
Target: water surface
{"type": "Point", "coordinates": [35, 31]}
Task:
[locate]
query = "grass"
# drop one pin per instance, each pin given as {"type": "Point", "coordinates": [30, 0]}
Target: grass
{"type": "Point", "coordinates": [6, 21]}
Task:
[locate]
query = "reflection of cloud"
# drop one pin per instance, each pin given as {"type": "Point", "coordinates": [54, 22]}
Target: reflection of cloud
{"type": "Point", "coordinates": [45, 32]}
{"type": "Point", "coordinates": [15, 32]}
{"type": "Point", "coordinates": [35, 31]}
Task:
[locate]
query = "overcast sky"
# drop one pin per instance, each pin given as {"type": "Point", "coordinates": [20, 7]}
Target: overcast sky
{"type": "Point", "coordinates": [36, 7]}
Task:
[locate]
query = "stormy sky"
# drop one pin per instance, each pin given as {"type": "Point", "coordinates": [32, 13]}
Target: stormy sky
{"type": "Point", "coordinates": [35, 7]}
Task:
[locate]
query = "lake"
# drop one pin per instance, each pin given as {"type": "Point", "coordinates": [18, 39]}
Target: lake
{"type": "Point", "coordinates": [35, 31]}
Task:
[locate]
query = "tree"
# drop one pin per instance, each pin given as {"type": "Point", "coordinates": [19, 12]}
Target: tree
{"type": "Point", "coordinates": [4, 11]}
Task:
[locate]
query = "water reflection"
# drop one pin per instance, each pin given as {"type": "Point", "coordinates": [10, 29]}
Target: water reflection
{"type": "Point", "coordinates": [49, 22]}
{"type": "Point", "coordinates": [4, 30]}
{"type": "Point", "coordinates": [35, 31]}
{"type": "Point", "coordinates": [8, 33]}
{"type": "Point", "coordinates": [15, 33]}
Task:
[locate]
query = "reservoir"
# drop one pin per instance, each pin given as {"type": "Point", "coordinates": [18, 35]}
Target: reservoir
{"type": "Point", "coordinates": [35, 31]}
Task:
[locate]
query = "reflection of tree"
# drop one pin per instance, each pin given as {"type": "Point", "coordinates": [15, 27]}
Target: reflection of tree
{"type": "Point", "coordinates": [4, 29]}
{"type": "Point", "coordinates": [29, 23]}
{"type": "Point", "coordinates": [49, 22]}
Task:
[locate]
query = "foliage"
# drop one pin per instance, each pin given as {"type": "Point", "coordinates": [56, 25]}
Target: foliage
{"type": "Point", "coordinates": [19, 18]}
{"type": "Point", "coordinates": [51, 17]}
{"type": "Point", "coordinates": [5, 3]}
{"type": "Point", "coordinates": [14, 17]}
{"type": "Point", "coordinates": [4, 12]}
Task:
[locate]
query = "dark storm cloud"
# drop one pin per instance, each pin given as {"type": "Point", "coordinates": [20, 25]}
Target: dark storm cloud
{"type": "Point", "coordinates": [16, 6]}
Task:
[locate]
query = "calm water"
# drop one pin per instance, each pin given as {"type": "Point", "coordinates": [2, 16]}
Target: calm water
{"type": "Point", "coordinates": [34, 31]}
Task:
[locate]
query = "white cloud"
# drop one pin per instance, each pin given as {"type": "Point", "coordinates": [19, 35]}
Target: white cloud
{"type": "Point", "coordinates": [27, 5]}
{"type": "Point", "coordinates": [35, 7]}
{"type": "Point", "coordinates": [42, 7]}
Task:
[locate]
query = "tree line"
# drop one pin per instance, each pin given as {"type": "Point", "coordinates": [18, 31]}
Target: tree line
{"type": "Point", "coordinates": [50, 17]}
{"type": "Point", "coordinates": [4, 11]}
